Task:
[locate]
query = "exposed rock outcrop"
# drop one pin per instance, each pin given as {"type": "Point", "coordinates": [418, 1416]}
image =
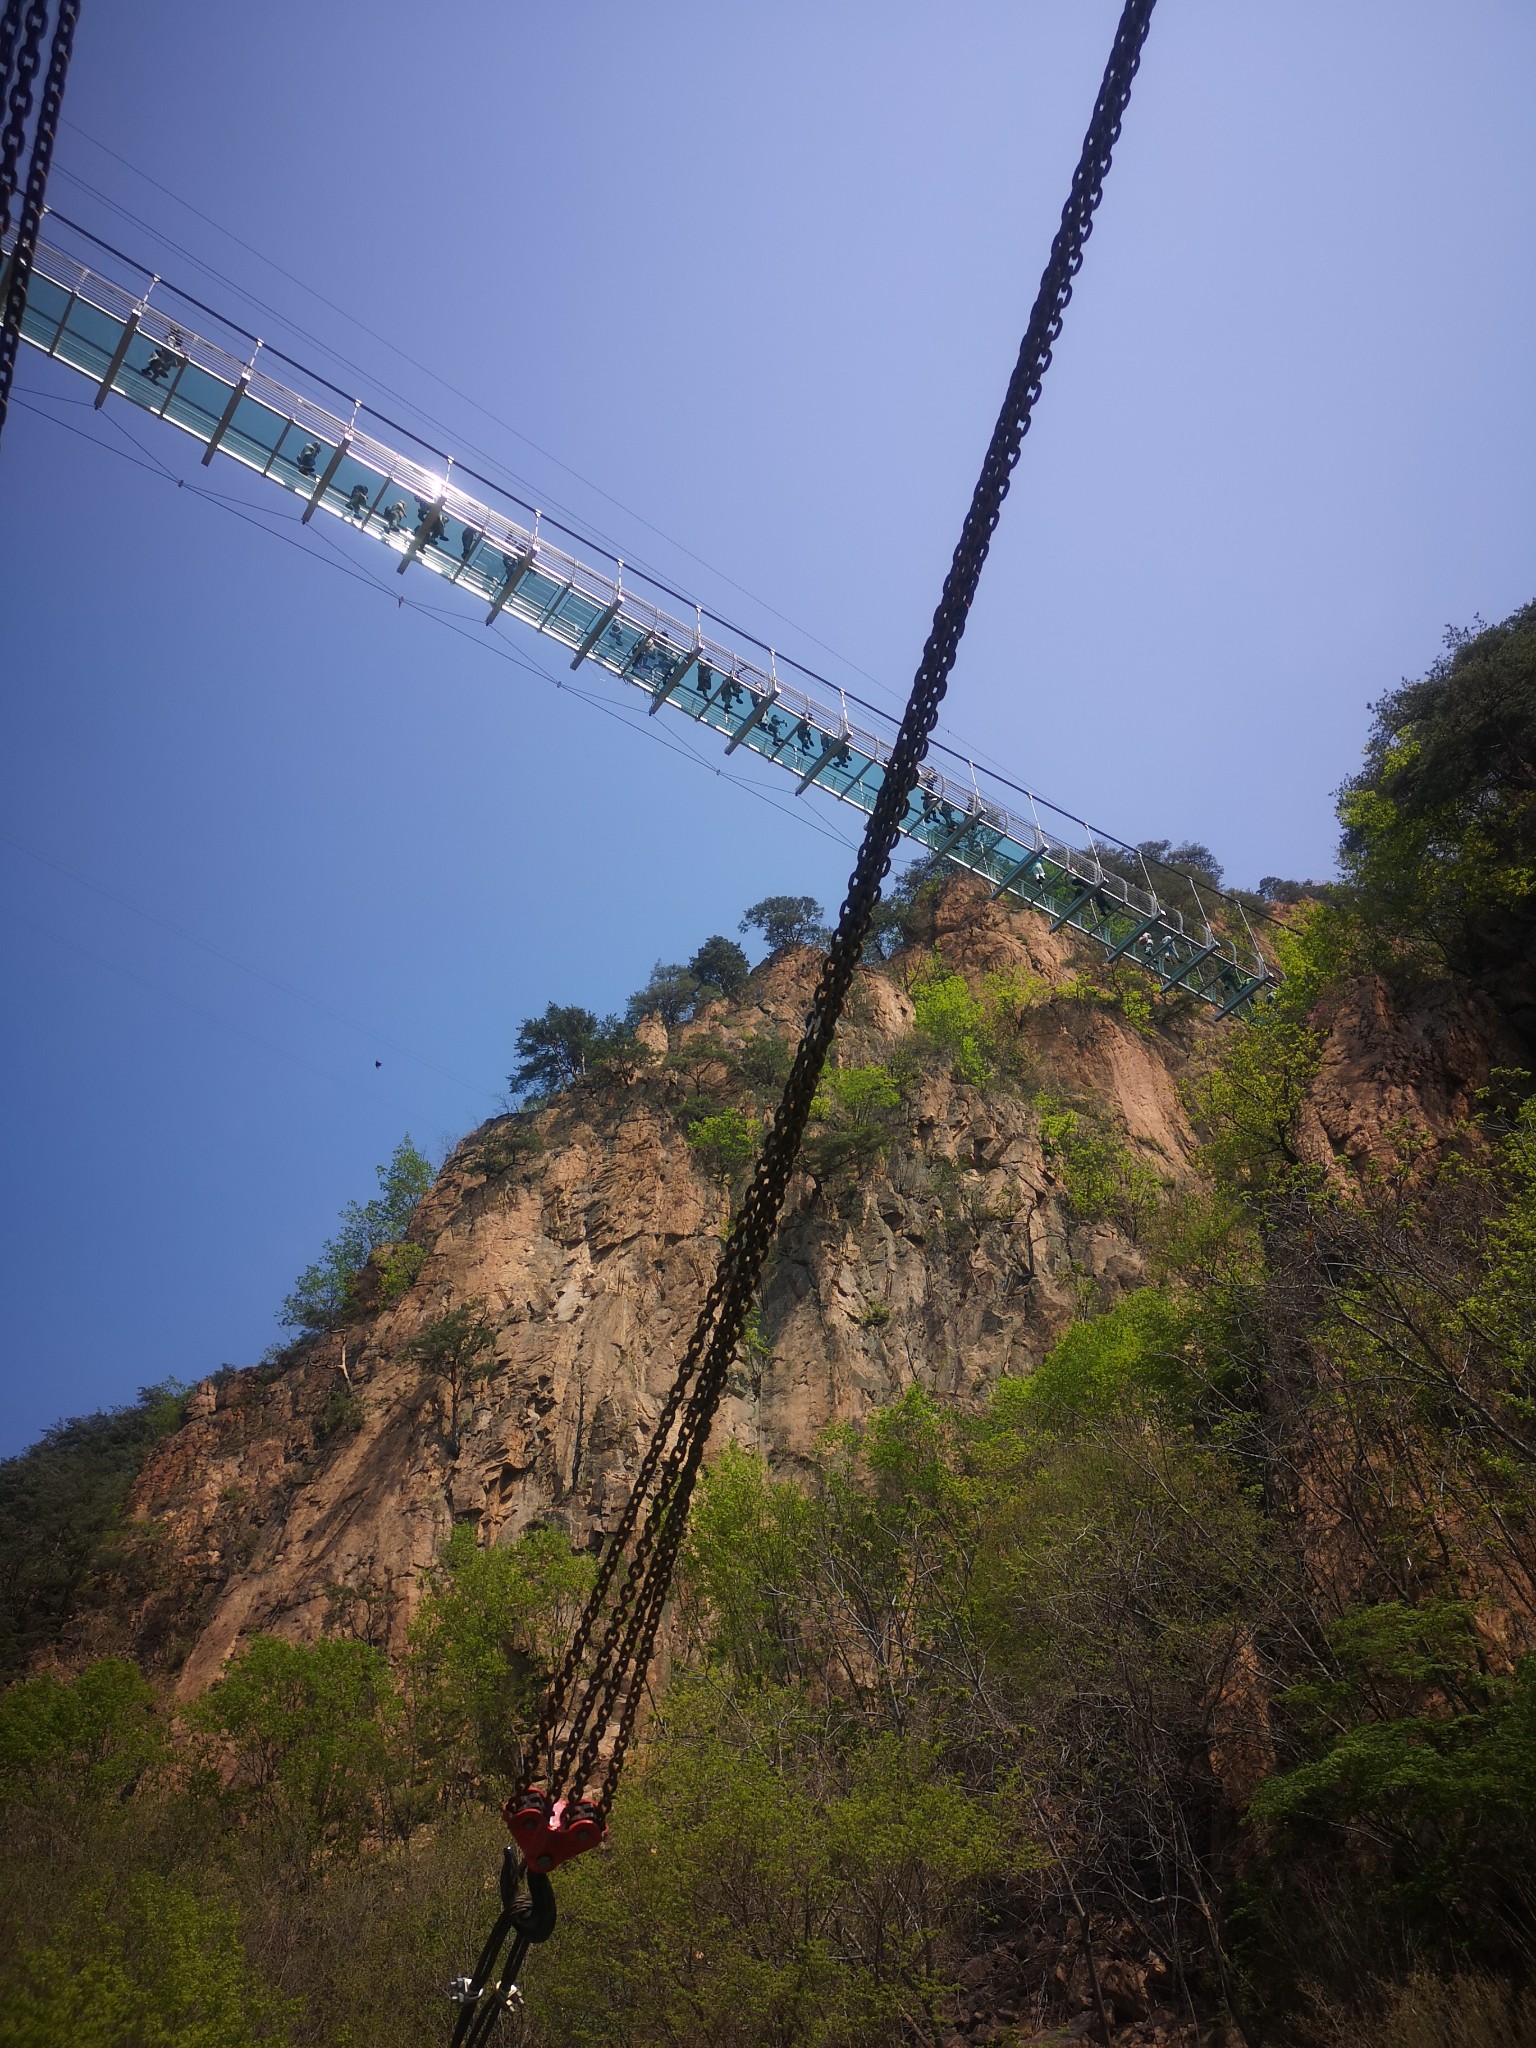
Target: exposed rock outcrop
{"type": "Point", "coordinates": [589, 1231]}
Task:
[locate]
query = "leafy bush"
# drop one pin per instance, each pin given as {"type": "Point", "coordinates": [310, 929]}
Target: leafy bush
{"type": "Point", "coordinates": [1125, 989]}
{"type": "Point", "coordinates": [1099, 1175]}
{"type": "Point", "coordinates": [763, 1060]}
{"type": "Point", "coordinates": [305, 1728]}
{"type": "Point", "coordinates": [398, 1268]}
{"type": "Point", "coordinates": [323, 1295]}
{"type": "Point", "coordinates": [508, 1144]}
{"type": "Point", "coordinates": [951, 1020]}
{"type": "Point", "coordinates": [726, 1140]}
{"type": "Point", "coordinates": [858, 1107]}
{"type": "Point", "coordinates": [341, 1416]}
{"type": "Point", "coordinates": [975, 1032]}
{"type": "Point", "coordinates": [1115, 1363]}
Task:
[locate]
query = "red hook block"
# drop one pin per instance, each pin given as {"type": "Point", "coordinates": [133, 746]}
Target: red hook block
{"type": "Point", "coordinates": [550, 1832]}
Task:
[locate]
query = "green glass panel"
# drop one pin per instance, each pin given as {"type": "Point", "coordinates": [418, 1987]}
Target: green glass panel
{"type": "Point", "coordinates": [253, 433]}
{"type": "Point", "coordinates": [44, 310]}
{"type": "Point", "coordinates": [90, 339]}
{"type": "Point", "coordinates": [198, 402]}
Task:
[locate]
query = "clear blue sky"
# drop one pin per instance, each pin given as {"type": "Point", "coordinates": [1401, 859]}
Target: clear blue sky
{"type": "Point", "coordinates": [759, 274]}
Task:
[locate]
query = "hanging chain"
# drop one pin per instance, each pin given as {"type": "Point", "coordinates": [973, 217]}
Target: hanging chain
{"type": "Point", "coordinates": [10, 29]}
{"type": "Point", "coordinates": [12, 142]}
{"type": "Point", "coordinates": [24, 58]}
{"type": "Point", "coordinates": [631, 1618]}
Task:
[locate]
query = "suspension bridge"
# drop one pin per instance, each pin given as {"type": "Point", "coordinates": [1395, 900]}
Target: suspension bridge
{"type": "Point", "coordinates": [127, 334]}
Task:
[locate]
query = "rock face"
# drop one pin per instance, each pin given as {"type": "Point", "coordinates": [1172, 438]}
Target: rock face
{"type": "Point", "coordinates": [1393, 1071]}
{"type": "Point", "coordinates": [323, 1489]}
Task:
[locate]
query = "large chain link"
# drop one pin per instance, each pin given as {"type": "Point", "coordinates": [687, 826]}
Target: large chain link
{"type": "Point", "coordinates": [663, 1487]}
{"type": "Point", "coordinates": [12, 142]}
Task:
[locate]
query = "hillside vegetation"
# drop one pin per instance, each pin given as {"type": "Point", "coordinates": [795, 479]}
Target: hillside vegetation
{"type": "Point", "coordinates": [1185, 1691]}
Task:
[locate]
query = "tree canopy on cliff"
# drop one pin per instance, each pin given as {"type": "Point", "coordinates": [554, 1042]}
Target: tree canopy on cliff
{"type": "Point", "coordinates": [1440, 822]}
{"type": "Point", "coordinates": [323, 1293]}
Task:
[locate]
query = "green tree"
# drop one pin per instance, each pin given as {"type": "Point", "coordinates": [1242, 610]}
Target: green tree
{"type": "Point", "coordinates": [323, 1296]}
{"type": "Point", "coordinates": [566, 1044]}
{"type": "Point", "coordinates": [554, 1050]}
{"type": "Point", "coordinates": [670, 994]}
{"type": "Point", "coordinates": [767, 1886]}
{"type": "Point", "coordinates": [83, 1740]}
{"type": "Point", "coordinates": [1440, 823]}
{"type": "Point", "coordinates": [306, 1725]}
{"type": "Point", "coordinates": [458, 1347]}
{"type": "Point", "coordinates": [492, 1624]}
{"type": "Point", "coordinates": [1419, 1765]}
{"type": "Point", "coordinates": [903, 916]}
{"type": "Point", "coordinates": [721, 964]}
{"type": "Point", "coordinates": [725, 1140]}
{"type": "Point", "coordinates": [785, 921]}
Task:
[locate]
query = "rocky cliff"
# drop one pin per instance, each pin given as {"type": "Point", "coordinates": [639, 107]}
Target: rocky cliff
{"type": "Point", "coordinates": [322, 1488]}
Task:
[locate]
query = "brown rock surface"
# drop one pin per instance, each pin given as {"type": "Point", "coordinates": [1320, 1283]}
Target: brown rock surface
{"type": "Point", "coordinates": [1398, 1068]}
{"type": "Point", "coordinates": [329, 1482]}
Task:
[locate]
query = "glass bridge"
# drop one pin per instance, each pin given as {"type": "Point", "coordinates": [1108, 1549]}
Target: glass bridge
{"type": "Point", "coordinates": [143, 354]}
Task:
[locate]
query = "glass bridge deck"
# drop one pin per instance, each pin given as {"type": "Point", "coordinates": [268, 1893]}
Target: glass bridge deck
{"type": "Point", "coordinates": [139, 352]}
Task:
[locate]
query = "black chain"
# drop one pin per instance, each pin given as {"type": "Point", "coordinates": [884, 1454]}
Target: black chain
{"type": "Point", "coordinates": [26, 56]}
{"type": "Point", "coordinates": [10, 29]}
{"type": "Point", "coordinates": [12, 143]}
{"type": "Point", "coordinates": [664, 1484]}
